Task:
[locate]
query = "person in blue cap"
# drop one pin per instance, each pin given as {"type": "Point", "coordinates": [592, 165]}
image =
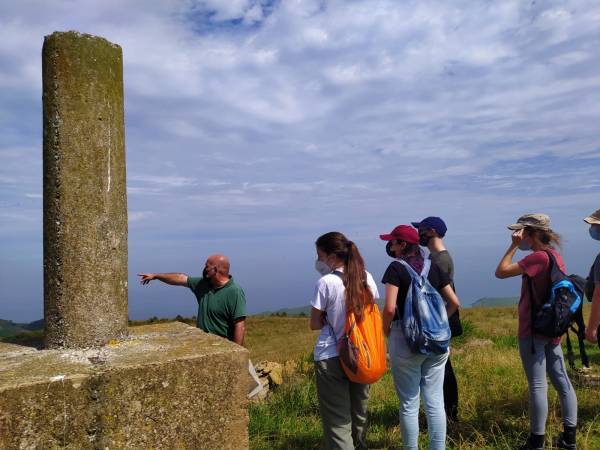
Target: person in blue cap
{"type": "Point", "coordinates": [431, 235]}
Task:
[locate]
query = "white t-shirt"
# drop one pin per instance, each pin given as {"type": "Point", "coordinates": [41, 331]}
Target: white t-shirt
{"type": "Point", "coordinates": [330, 298]}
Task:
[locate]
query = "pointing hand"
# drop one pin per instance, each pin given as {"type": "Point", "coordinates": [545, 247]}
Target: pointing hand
{"type": "Point", "coordinates": [146, 277]}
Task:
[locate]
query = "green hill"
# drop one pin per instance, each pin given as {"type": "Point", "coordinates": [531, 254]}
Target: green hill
{"type": "Point", "coordinates": [302, 311]}
{"type": "Point", "coordinates": [492, 302]}
{"type": "Point", "coordinates": [9, 328]}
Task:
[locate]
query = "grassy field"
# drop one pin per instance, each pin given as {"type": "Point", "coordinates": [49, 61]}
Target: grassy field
{"type": "Point", "coordinates": [492, 389]}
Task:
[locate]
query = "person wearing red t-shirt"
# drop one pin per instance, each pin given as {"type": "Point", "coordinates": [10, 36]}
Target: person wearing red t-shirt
{"type": "Point", "coordinates": [539, 354]}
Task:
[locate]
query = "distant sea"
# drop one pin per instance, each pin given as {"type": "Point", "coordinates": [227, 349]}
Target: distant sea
{"type": "Point", "coordinates": [9, 328]}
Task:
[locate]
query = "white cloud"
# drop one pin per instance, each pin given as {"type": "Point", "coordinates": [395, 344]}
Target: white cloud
{"type": "Point", "coordinates": [274, 117]}
{"type": "Point", "coordinates": [163, 181]}
{"type": "Point", "coordinates": [137, 216]}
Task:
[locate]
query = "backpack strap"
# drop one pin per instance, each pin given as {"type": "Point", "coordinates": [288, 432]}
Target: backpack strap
{"type": "Point", "coordinates": [532, 295]}
{"type": "Point", "coordinates": [426, 268]}
{"type": "Point", "coordinates": [331, 330]}
{"type": "Point", "coordinates": [415, 277]}
{"type": "Point", "coordinates": [531, 308]}
{"type": "Point", "coordinates": [580, 332]}
{"type": "Point", "coordinates": [551, 260]}
{"type": "Point", "coordinates": [570, 354]}
{"type": "Point", "coordinates": [413, 273]}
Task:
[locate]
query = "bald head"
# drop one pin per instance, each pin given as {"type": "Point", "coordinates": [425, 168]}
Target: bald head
{"type": "Point", "coordinates": [216, 268]}
{"type": "Point", "coordinates": [221, 262]}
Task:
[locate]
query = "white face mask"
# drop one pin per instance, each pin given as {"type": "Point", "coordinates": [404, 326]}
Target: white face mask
{"type": "Point", "coordinates": [524, 246]}
{"type": "Point", "coordinates": [322, 267]}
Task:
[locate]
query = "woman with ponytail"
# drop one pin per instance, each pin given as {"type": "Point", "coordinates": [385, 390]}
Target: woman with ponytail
{"type": "Point", "coordinates": [344, 286]}
{"type": "Point", "coordinates": [540, 355]}
{"type": "Point", "coordinates": [414, 373]}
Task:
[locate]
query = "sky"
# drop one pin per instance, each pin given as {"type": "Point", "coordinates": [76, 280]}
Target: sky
{"type": "Point", "coordinates": [253, 127]}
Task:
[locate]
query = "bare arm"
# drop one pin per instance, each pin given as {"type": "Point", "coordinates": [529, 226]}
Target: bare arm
{"type": "Point", "coordinates": [174, 279]}
{"type": "Point", "coordinates": [591, 332]}
{"type": "Point", "coordinates": [452, 301]}
{"type": "Point", "coordinates": [317, 319]}
{"type": "Point", "coordinates": [239, 331]}
{"type": "Point", "coordinates": [506, 268]}
{"type": "Point", "coordinates": [389, 309]}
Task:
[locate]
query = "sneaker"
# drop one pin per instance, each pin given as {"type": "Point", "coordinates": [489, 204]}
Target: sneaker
{"type": "Point", "coordinates": [560, 443]}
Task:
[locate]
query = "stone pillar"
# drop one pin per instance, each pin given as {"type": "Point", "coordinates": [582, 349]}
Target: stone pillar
{"type": "Point", "coordinates": [85, 202]}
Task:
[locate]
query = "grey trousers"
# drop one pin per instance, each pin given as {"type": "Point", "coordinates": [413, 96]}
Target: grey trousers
{"type": "Point", "coordinates": [343, 406]}
{"type": "Point", "coordinates": [548, 358]}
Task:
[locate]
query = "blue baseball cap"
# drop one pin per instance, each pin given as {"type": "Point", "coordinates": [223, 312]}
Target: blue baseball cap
{"type": "Point", "coordinates": [434, 223]}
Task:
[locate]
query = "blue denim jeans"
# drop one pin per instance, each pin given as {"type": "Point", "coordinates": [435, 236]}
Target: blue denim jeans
{"type": "Point", "coordinates": [547, 359]}
{"type": "Point", "coordinates": [412, 374]}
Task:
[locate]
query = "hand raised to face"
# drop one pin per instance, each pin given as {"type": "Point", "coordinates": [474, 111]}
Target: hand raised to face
{"type": "Point", "coordinates": [517, 237]}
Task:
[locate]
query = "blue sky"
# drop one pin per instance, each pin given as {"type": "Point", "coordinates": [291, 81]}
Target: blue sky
{"type": "Point", "coordinates": [252, 127]}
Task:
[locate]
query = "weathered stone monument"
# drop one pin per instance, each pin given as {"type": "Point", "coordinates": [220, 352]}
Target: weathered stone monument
{"type": "Point", "coordinates": [85, 202]}
{"type": "Point", "coordinates": [99, 385]}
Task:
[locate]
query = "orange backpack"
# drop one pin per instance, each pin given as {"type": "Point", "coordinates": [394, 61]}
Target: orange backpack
{"type": "Point", "coordinates": [362, 348]}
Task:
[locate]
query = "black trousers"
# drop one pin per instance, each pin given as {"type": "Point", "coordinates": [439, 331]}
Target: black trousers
{"type": "Point", "coordinates": [450, 392]}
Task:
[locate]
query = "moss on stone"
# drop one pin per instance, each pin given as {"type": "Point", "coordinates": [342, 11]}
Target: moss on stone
{"type": "Point", "coordinates": [164, 386]}
{"type": "Point", "coordinates": [85, 201]}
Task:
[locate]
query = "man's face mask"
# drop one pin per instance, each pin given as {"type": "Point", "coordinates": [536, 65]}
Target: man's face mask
{"type": "Point", "coordinates": [595, 233]}
{"type": "Point", "coordinates": [208, 272]}
{"type": "Point", "coordinates": [424, 238]}
{"type": "Point", "coordinates": [524, 245]}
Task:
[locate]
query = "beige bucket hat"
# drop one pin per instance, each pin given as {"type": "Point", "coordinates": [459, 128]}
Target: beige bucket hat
{"type": "Point", "coordinates": [593, 218]}
{"type": "Point", "coordinates": [539, 221]}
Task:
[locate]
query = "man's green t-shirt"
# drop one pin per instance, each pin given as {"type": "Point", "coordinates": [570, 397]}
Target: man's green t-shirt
{"type": "Point", "coordinates": [218, 308]}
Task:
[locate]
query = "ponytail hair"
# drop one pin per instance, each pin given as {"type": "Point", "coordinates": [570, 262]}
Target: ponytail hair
{"type": "Point", "coordinates": [358, 294]}
{"type": "Point", "coordinates": [546, 237]}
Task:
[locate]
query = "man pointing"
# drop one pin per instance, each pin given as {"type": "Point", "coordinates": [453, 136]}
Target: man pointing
{"type": "Point", "coordinates": [221, 301]}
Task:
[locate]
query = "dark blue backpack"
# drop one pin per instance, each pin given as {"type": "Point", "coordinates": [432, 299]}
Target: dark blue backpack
{"type": "Point", "coordinates": [425, 322]}
{"type": "Point", "coordinates": [554, 317]}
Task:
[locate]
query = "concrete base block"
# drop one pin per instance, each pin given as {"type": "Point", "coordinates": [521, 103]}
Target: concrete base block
{"type": "Point", "coordinates": [166, 386]}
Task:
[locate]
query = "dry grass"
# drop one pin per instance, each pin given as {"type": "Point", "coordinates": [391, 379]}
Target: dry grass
{"type": "Point", "coordinates": [492, 387]}
{"type": "Point", "coordinates": [279, 338]}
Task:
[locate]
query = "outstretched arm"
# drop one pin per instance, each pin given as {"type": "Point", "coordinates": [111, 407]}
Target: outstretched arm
{"type": "Point", "coordinates": [174, 279]}
{"type": "Point", "coordinates": [506, 268]}
{"type": "Point", "coordinates": [591, 331]}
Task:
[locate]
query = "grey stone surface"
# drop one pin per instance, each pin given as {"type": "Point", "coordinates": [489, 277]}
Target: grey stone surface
{"type": "Point", "coordinates": [85, 203]}
{"type": "Point", "coordinates": [166, 386]}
